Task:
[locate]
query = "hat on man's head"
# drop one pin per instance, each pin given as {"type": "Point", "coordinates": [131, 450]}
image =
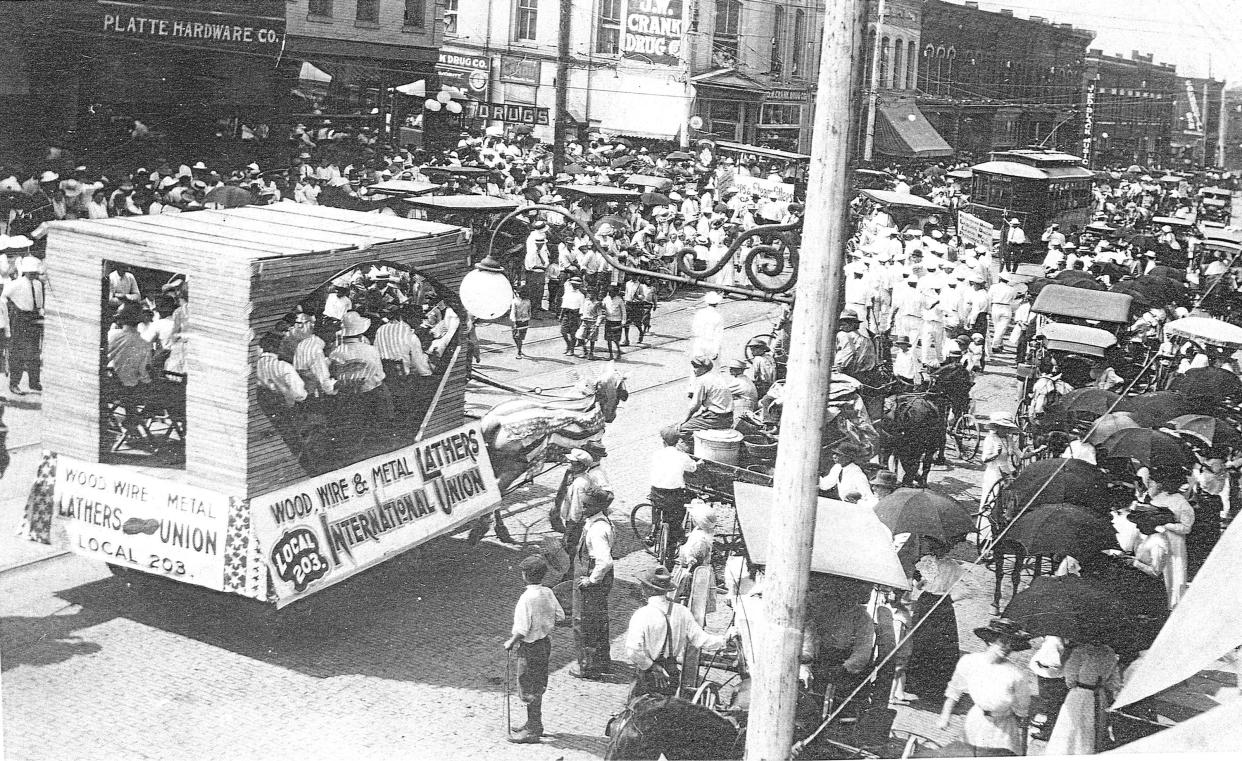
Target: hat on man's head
{"type": "Point", "coordinates": [902, 342]}
{"type": "Point", "coordinates": [354, 324]}
{"type": "Point", "coordinates": [713, 298]}
{"type": "Point", "coordinates": [886, 478]}
{"type": "Point", "coordinates": [1015, 221]}
{"type": "Point", "coordinates": [657, 581]}
{"type": "Point", "coordinates": [701, 360]}
{"type": "Point", "coordinates": [1007, 631]}
{"type": "Point", "coordinates": [702, 516]}
{"type": "Point", "coordinates": [579, 457]}
{"type": "Point", "coordinates": [28, 265]}
{"type": "Point", "coordinates": [852, 450]}
{"type": "Point", "coordinates": [849, 315]}
{"type": "Point", "coordinates": [737, 364]}
{"type": "Point", "coordinates": [18, 241]}
{"type": "Point", "coordinates": [595, 499]}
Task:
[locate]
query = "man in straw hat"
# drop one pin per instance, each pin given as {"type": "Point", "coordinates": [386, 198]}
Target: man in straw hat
{"type": "Point", "coordinates": [658, 635]}
{"type": "Point", "coordinates": [359, 372]}
{"type": "Point", "coordinates": [996, 723]}
{"type": "Point", "coordinates": [534, 617]}
{"type": "Point", "coordinates": [568, 512]}
{"type": "Point", "coordinates": [593, 577]}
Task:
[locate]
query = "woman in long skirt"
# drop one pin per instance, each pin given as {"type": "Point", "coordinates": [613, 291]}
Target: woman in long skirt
{"type": "Point", "coordinates": [935, 650]}
{"type": "Point", "coordinates": [1093, 678]}
{"type": "Point", "coordinates": [1163, 491]}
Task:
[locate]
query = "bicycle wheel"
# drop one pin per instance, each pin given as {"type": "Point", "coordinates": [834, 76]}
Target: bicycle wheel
{"type": "Point", "coordinates": [643, 524]}
{"type": "Point", "coordinates": [966, 438]}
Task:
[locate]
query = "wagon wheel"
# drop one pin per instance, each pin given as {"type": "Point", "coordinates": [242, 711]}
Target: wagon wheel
{"type": "Point", "coordinates": [701, 586]}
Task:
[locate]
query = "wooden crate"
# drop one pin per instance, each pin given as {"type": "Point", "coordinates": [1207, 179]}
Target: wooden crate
{"type": "Point", "coordinates": [246, 268]}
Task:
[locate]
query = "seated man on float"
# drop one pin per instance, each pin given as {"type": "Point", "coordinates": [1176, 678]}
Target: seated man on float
{"type": "Point", "coordinates": [838, 640]}
{"type": "Point", "coordinates": [711, 402]}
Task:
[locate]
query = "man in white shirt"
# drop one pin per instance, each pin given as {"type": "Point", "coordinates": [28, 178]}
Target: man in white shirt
{"type": "Point", "coordinates": [658, 635]}
{"type": "Point", "coordinates": [593, 577]}
{"type": "Point", "coordinates": [534, 617]}
{"type": "Point", "coordinates": [1015, 246]}
{"type": "Point", "coordinates": [1003, 297]}
{"type": "Point", "coordinates": [535, 265]}
{"type": "Point", "coordinates": [669, 466]}
{"type": "Point", "coordinates": [25, 299]}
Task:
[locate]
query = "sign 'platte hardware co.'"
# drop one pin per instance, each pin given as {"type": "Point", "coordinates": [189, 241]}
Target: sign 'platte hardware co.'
{"type": "Point", "coordinates": [330, 527]}
{"type": "Point", "coordinates": [654, 32]}
{"type": "Point", "coordinates": [118, 516]}
{"type": "Point", "coordinates": [183, 26]}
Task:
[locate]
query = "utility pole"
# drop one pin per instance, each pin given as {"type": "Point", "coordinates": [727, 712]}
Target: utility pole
{"type": "Point", "coordinates": [561, 109]}
{"type": "Point", "coordinates": [1204, 122]}
{"type": "Point", "coordinates": [873, 86]}
{"type": "Point", "coordinates": [796, 494]}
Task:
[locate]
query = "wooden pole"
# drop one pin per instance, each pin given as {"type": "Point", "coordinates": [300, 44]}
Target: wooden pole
{"type": "Point", "coordinates": [792, 522]}
{"type": "Point", "coordinates": [560, 113]}
{"type": "Point", "coordinates": [873, 84]}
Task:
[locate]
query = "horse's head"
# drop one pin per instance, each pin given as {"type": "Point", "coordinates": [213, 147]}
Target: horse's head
{"type": "Point", "coordinates": [609, 389]}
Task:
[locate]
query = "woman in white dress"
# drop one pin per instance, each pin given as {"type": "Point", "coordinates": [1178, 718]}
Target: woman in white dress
{"type": "Point", "coordinates": [996, 453]}
{"type": "Point", "coordinates": [1153, 556]}
{"type": "Point", "coordinates": [1093, 679]}
{"type": "Point", "coordinates": [1163, 492]}
{"type": "Point", "coordinates": [996, 723]}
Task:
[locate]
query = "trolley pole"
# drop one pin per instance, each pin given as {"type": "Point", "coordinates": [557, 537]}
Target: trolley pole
{"type": "Point", "coordinates": [796, 495]}
{"type": "Point", "coordinates": [560, 113]}
{"type": "Point", "coordinates": [873, 84]}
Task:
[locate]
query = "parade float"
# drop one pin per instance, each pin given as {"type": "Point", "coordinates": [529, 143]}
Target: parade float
{"type": "Point", "coordinates": [202, 473]}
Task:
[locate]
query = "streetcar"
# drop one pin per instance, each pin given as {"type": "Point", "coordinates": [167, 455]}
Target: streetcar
{"type": "Point", "coordinates": [1036, 186]}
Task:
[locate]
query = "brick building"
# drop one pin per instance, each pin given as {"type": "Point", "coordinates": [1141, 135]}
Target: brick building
{"type": "Point", "coordinates": [1197, 105]}
{"type": "Point", "coordinates": [1231, 142]}
{"type": "Point", "coordinates": [1132, 120]}
{"type": "Point", "coordinates": [990, 81]}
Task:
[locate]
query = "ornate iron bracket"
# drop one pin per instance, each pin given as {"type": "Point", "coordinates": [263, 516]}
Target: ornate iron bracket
{"type": "Point", "coordinates": [775, 257]}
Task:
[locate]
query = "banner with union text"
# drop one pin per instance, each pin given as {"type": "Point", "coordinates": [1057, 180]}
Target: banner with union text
{"type": "Point", "coordinates": [328, 528]}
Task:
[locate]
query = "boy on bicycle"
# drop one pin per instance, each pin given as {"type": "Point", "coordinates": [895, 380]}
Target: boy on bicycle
{"type": "Point", "coordinates": [669, 466]}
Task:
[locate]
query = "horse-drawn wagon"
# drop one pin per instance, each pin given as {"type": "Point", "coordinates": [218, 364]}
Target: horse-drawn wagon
{"type": "Point", "coordinates": [224, 460]}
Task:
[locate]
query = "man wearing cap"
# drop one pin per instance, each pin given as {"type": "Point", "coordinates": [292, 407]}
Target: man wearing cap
{"type": "Point", "coordinates": [745, 394]}
{"type": "Point", "coordinates": [535, 265]}
{"type": "Point", "coordinates": [129, 354]}
{"type": "Point", "coordinates": [980, 304]}
{"type": "Point", "coordinates": [535, 615]}
{"type": "Point", "coordinates": [762, 368]}
{"type": "Point", "coordinates": [658, 635]}
{"type": "Point", "coordinates": [1003, 297]}
{"type": "Point", "coordinates": [359, 372]}
{"type": "Point", "coordinates": [711, 402]}
{"type": "Point", "coordinates": [906, 363]}
{"type": "Point", "coordinates": [593, 577]}
{"type": "Point", "coordinates": [25, 298]}
{"type": "Point", "coordinates": [583, 474]}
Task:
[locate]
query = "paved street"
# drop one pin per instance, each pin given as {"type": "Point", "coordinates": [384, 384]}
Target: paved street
{"type": "Point", "coordinates": [402, 660]}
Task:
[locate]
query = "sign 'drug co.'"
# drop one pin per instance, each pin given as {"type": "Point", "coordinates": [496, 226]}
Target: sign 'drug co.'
{"type": "Point", "coordinates": [328, 528]}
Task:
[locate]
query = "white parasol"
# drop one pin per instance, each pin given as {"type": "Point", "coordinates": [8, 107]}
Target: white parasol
{"type": "Point", "coordinates": [1206, 330]}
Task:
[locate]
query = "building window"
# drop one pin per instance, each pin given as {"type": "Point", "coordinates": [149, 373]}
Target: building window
{"type": "Point", "coordinates": [899, 49]}
{"type": "Point", "coordinates": [912, 66]}
{"type": "Point", "coordinates": [886, 49]}
{"type": "Point", "coordinates": [780, 114]}
{"type": "Point", "coordinates": [368, 10]}
{"type": "Point", "coordinates": [320, 8]}
{"type": "Point", "coordinates": [608, 36]}
{"type": "Point", "coordinates": [777, 62]}
{"type": "Point", "coordinates": [527, 19]}
{"type": "Point", "coordinates": [728, 22]}
{"type": "Point", "coordinates": [450, 16]}
{"type": "Point", "coordinates": [799, 43]}
{"type": "Point", "coordinates": [415, 14]}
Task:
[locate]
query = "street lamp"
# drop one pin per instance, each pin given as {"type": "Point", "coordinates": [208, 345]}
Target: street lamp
{"type": "Point", "coordinates": [485, 290]}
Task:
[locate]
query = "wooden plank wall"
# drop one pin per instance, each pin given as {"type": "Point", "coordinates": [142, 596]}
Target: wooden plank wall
{"type": "Point", "coordinates": [218, 365]}
{"type": "Point", "coordinates": [278, 284]}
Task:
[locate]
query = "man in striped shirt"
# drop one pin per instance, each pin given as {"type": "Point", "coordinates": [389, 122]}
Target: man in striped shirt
{"type": "Point", "coordinates": [359, 372]}
{"type": "Point", "coordinates": [277, 375]}
{"type": "Point", "coordinates": [405, 365]}
{"type": "Point", "coordinates": [310, 359]}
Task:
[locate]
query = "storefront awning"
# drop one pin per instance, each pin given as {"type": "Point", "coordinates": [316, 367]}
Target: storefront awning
{"type": "Point", "coordinates": [738, 85]}
{"type": "Point", "coordinates": [902, 130]}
